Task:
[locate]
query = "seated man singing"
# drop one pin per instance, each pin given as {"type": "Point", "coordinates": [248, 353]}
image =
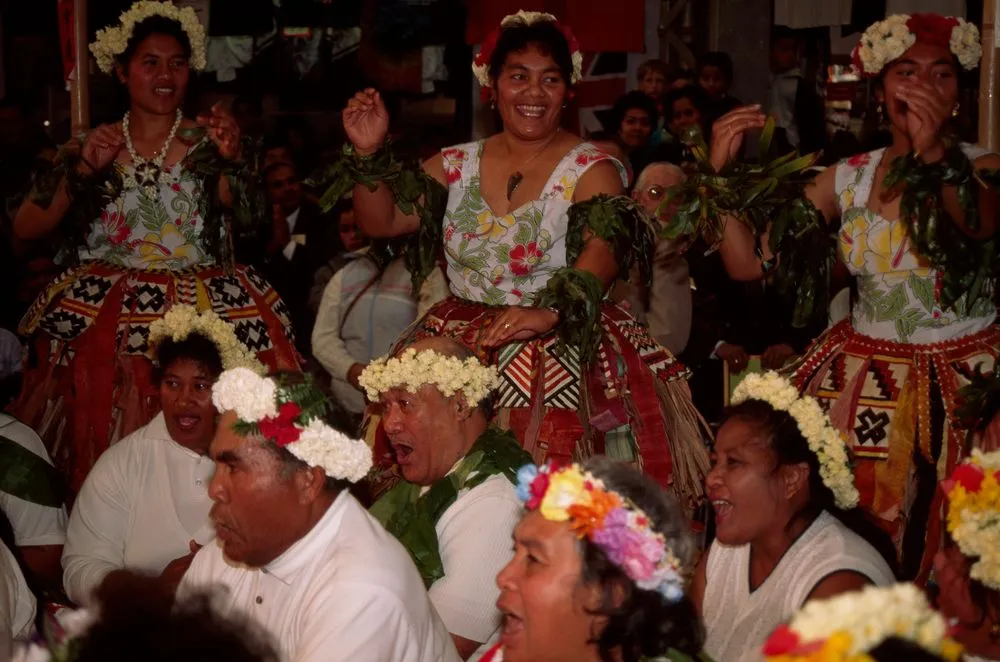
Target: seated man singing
{"type": "Point", "coordinates": [456, 507]}
{"type": "Point", "coordinates": [297, 553]}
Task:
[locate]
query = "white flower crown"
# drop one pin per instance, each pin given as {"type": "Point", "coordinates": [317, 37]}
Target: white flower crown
{"type": "Point", "coordinates": [183, 320]}
{"type": "Point", "coordinates": [815, 426]}
{"type": "Point", "coordinates": [412, 369]}
{"type": "Point", "coordinates": [113, 40]}
{"type": "Point", "coordinates": [290, 416]}
{"type": "Point", "coordinates": [885, 41]}
{"type": "Point", "coordinates": [973, 492]}
{"type": "Point", "coordinates": [481, 63]}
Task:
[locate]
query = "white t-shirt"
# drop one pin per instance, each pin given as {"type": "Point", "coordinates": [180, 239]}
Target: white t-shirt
{"type": "Point", "coordinates": [17, 604]}
{"type": "Point", "coordinates": [738, 621]}
{"type": "Point", "coordinates": [474, 539]}
{"type": "Point", "coordinates": [345, 592]}
{"type": "Point", "coordinates": [144, 501]}
{"type": "Point", "coordinates": [33, 524]}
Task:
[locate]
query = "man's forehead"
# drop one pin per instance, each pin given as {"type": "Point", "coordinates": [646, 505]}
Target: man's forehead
{"type": "Point", "coordinates": [424, 393]}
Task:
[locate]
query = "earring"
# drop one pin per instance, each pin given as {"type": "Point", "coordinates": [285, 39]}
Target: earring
{"type": "Point", "coordinates": [954, 113]}
{"type": "Point", "coordinates": [880, 109]}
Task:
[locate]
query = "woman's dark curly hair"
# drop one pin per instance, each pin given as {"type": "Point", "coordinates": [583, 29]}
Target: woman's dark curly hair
{"type": "Point", "coordinates": [147, 28]}
{"type": "Point", "coordinates": [640, 624]}
{"type": "Point", "coordinates": [790, 447]}
{"type": "Point", "coordinates": [544, 36]}
{"type": "Point", "coordinates": [138, 621]}
{"type": "Point", "coordinates": [629, 101]}
{"type": "Point", "coordinates": [195, 347]}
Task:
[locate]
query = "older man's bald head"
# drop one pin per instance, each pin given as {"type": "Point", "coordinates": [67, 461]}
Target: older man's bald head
{"type": "Point", "coordinates": [654, 182]}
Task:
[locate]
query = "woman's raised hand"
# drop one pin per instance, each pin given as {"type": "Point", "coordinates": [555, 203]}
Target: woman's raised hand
{"type": "Point", "coordinates": [101, 146]}
{"type": "Point", "coordinates": [223, 130]}
{"type": "Point", "coordinates": [927, 111]}
{"type": "Point", "coordinates": [729, 131]}
{"type": "Point", "coordinates": [366, 121]}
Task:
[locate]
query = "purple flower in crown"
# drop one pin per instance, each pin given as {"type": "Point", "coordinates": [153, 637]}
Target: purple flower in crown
{"type": "Point", "coordinates": [636, 552]}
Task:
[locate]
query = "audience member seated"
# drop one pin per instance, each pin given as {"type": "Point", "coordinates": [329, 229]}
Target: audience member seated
{"type": "Point", "coordinates": [687, 107]}
{"type": "Point", "coordinates": [32, 500]}
{"type": "Point", "coordinates": [134, 620]}
{"type": "Point", "coordinates": [455, 507]}
{"type": "Point", "coordinates": [17, 604]}
{"type": "Point", "coordinates": [598, 570]}
{"type": "Point", "coordinates": [274, 152]}
{"type": "Point", "coordinates": [302, 240]}
{"type": "Point", "coordinates": [351, 243]}
{"type": "Point", "coordinates": [294, 549]}
{"type": "Point", "coordinates": [875, 624]}
{"type": "Point", "coordinates": [651, 77]}
{"type": "Point", "coordinates": [715, 77]}
{"type": "Point", "coordinates": [365, 307]}
{"type": "Point", "coordinates": [668, 307]}
{"type": "Point", "coordinates": [778, 485]}
{"type": "Point", "coordinates": [634, 118]}
{"type": "Point", "coordinates": [968, 572]}
{"type": "Point", "coordinates": [145, 504]}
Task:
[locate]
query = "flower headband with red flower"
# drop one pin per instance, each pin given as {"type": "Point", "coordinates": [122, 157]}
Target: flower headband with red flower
{"type": "Point", "coordinates": [620, 529]}
{"type": "Point", "coordinates": [886, 41]}
{"type": "Point", "coordinates": [973, 492]}
{"type": "Point", "coordinates": [481, 63]}
{"type": "Point", "coordinates": [291, 415]}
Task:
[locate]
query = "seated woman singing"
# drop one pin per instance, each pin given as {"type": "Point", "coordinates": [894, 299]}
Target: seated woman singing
{"type": "Point", "coordinates": [779, 483]}
{"type": "Point", "coordinates": [145, 504]}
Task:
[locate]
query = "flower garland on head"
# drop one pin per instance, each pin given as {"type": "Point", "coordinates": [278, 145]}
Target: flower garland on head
{"type": "Point", "coordinates": [973, 491]}
{"type": "Point", "coordinates": [183, 320]}
{"type": "Point", "coordinates": [886, 41]}
{"type": "Point", "coordinates": [113, 41]}
{"type": "Point", "coordinates": [481, 63]}
{"type": "Point", "coordinates": [617, 526]}
{"type": "Point", "coordinates": [412, 369]}
{"type": "Point", "coordinates": [291, 416]}
{"type": "Point", "coordinates": [823, 439]}
{"type": "Point", "coordinates": [847, 627]}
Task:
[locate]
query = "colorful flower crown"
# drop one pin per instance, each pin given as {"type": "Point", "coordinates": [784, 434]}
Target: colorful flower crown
{"type": "Point", "coordinates": [886, 41]}
{"type": "Point", "coordinates": [620, 529]}
{"type": "Point", "coordinates": [183, 320]}
{"type": "Point", "coordinates": [412, 369]}
{"type": "Point", "coordinates": [481, 63]}
{"type": "Point", "coordinates": [62, 630]}
{"type": "Point", "coordinates": [291, 415]}
{"type": "Point", "coordinates": [973, 491]}
{"type": "Point", "coordinates": [112, 41]}
{"type": "Point", "coordinates": [847, 627]}
{"type": "Point", "coordinates": [815, 426]}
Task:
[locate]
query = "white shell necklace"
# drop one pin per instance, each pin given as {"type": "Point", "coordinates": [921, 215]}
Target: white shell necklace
{"type": "Point", "coordinates": [149, 173]}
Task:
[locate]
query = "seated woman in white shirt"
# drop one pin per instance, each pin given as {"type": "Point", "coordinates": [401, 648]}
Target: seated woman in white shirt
{"type": "Point", "coordinates": [145, 504]}
{"type": "Point", "coordinates": [779, 540]}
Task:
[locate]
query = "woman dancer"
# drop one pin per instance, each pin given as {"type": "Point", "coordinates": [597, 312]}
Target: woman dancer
{"type": "Point", "coordinates": [533, 233]}
{"type": "Point", "coordinates": [924, 318]}
{"type": "Point", "coordinates": [143, 206]}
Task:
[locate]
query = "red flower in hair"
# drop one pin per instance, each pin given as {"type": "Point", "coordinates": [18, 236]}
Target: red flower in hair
{"type": "Point", "coordinates": [785, 641]}
{"type": "Point", "coordinates": [968, 476]}
{"type": "Point", "coordinates": [281, 428]}
{"type": "Point", "coordinates": [932, 29]}
{"type": "Point", "coordinates": [538, 489]}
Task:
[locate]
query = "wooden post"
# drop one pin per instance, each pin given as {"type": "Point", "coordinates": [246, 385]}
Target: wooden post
{"type": "Point", "coordinates": [989, 80]}
{"type": "Point", "coordinates": [80, 85]}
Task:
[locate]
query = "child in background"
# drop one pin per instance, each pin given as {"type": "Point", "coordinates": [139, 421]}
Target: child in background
{"type": "Point", "coordinates": [715, 76]}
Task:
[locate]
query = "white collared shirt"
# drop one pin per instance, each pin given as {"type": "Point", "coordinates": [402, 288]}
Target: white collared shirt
{"type": "Point", "coordinates": [289, 250]}
{"type": "Point", "coordinates": [144, 501]}
{"type": "Point", "coordinates": [345, 592]}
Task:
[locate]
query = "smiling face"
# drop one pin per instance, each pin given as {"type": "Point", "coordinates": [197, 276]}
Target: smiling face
{"type": "Point", "coordinates": [157, 75]}
{"type": "Point", "coordinates": [932, 65]}
{"type": "Point", "coordinates": [186, 398]}
{"type": "Point", "coordinates": [530, 93]}
{"type": "Point", "coordinates": [635, 128]}
{"type": "Point", "coordinates": [424, 432]}
{"type": "Point", "coordinates": [544, 604]}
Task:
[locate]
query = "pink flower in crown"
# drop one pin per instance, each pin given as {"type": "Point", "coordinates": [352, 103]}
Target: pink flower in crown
{"type": "Point", "coordinates": [115, 227]}
{"type": "Point", "coordinates": [636, 552]}
{"type": "Point", "coordinates": [524, 257]}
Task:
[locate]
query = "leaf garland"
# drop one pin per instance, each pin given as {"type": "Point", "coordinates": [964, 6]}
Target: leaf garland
{"type": "Point", "coordinates": [966, 264]}
{"type": "Point", "coordinates": [576, 294]}
{"type": "Point", "coordinates": [767, 197]}
{"type": "Point", "coordinates": [414, 191]}
{"type": "Point", "coordinates": [618, 221]}
{"type": "Point", "coordinates": [979, 400]}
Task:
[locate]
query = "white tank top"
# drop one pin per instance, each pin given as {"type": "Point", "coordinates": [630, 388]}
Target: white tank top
{"type": "Point", "coordinates": [738, 621]}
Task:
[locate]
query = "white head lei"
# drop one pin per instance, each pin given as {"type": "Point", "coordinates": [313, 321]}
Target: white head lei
{"type": "Point", "coordinates": [412, 369]}
{"type": "Point", "coordinates": [113, 40]}
{"type": "Point", "coordinates": [886, 41]}
{"type": "Point", "coordinates": [290, 415]}
{"type": "Point", "coordinates": [183, 320]}
{"type": "Point", "coordinates": [481, 63]}
{"type": "Point", "coordinates": [815, 426]}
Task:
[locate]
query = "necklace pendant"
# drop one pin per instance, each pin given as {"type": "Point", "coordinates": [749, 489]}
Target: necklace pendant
{"type": "Point", "coordinates": [512, 183]}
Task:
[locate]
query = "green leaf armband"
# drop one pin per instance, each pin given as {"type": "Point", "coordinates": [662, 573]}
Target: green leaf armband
{"type": "Point", "coordinates": [618, 221]}
{"type": "Point", "coordinates": [577, 295]}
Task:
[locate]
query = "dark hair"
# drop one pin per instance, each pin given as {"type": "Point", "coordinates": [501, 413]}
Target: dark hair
{"type": "Point", "coordinates": [274, 167]}
{"type": "Point", "coordinates": [138, 620]}
{"type": "Point", "coordinates": [895, 649]}
{"type": "Point", "coordinates": [790, 447]}
{"type": "Point", "coordinates": [195, 347]}
{"type": "Point", "coordinates": [641, 623]}
{"type": "Point", "coordinates": [720, 61]}
{"type": "Point", "coordinates": [633, 100]}
{"type": "Point", "coordinates": [782, 32]}
{"type": "Point", "coordinates": [697, 96]}
{"type": "Point", "coordinates": [155, 25]}
{"type": "Point", "coordinates": [544, 36]}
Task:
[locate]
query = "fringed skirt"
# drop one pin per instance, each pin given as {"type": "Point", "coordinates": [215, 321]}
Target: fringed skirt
{"type": "Point", "coordinates": [895, 404]}
{"type": "Point", "coordinates": [632, 403]}
{"type": "Point", "coordinates": [89, 378]}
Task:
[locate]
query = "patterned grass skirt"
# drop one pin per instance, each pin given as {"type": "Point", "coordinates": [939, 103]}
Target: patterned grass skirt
{"type": "Point", "coordinates": [632, 404]}
{"type": "Point", "coordinates": [89, 382]}
{"type": "Point", "coordinates": [895, 403]}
